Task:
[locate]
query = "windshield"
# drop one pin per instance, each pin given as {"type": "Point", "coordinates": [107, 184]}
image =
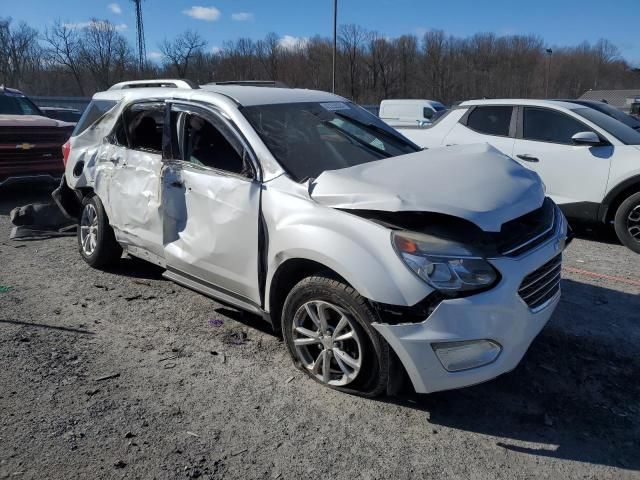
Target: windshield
{"type": "Point", "coordinates": [618, 115]}
{"type": "Point", "coordinates": [625, 134]}
{"type": "Point", "coordinates": [309, 138]}
{"type": "Point", "coordinates": [17, 105]}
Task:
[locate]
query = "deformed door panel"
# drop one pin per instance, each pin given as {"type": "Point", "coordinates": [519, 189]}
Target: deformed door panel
{"type": "Point", "coordinates": [135, 200]}
{"type": "Point", "coordinates": [210, 228]}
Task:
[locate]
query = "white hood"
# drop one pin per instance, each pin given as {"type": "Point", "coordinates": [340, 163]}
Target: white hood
{"type": "Point", "coordinates": [473, 182]}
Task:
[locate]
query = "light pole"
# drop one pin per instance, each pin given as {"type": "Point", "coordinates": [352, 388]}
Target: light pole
{"type": "Point", "coordinates": [546, 86]}
{"type": "Point", "coordinates": [335, 44]}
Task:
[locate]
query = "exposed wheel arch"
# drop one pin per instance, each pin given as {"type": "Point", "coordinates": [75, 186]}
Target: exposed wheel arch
{"type": "Point", "coordinates": [288, 274]}
{"type": "Point", "coordinates": [292, 271]}
{"type": "Point", "coordinates": [615, 197]}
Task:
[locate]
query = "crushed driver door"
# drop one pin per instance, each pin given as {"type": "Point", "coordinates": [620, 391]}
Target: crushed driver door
{"type": "Point", "coordinates": [211, 206]}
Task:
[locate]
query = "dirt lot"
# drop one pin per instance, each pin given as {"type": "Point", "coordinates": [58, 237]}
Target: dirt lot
{"type": "Point", "coordinates": [126, 375]}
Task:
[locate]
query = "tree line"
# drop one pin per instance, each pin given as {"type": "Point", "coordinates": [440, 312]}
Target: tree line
{"type": "Point", "coordinates": [74, 60]}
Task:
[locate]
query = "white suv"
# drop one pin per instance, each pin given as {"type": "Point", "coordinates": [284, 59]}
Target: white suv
{"type": "Point", "coordinates": [370, 256]}
{"type": "Point", "coordinates": [589, 162]}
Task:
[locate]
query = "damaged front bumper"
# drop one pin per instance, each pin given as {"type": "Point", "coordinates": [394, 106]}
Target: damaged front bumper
{"type": "Point", "coordinates": [494, 327]}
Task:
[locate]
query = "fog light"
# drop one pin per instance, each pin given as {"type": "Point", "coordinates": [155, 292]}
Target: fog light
{"type": "Point", "coordinates": [456, 356]}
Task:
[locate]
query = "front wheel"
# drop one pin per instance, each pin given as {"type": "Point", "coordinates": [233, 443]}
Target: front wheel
{"type": "Point", "coordinates": [96, 240]}
{"type": "Point", "coordinates": [627, 222]}
{"type": "Point", "coordinates": [327, 328]}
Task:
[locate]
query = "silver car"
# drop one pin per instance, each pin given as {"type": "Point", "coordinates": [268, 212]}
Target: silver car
{"type": "Point", "coordinates": [372, 257]}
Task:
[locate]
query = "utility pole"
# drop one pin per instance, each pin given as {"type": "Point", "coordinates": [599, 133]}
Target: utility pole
{"type": "Point", "coordinates": [140, 43]}
{"type": "Point", "coordinates": [546, 86]}
{"type": "Point", "coordinates": [335, 44]}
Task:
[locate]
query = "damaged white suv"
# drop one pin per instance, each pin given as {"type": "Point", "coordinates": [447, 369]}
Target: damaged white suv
{"type": "Point", "coordinates": [371, 256]}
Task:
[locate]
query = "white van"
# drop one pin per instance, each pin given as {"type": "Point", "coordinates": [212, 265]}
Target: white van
{"type": "Point", "coordinates": [399, 113]}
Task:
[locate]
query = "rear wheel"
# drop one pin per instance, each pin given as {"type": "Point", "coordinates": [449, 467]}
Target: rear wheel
{"type": "Point", "coordinates": [327, 328]}
{"type": "Point", "coordinates": [96, 240]}
{"type": "Point", "coordinates": [627, 222]}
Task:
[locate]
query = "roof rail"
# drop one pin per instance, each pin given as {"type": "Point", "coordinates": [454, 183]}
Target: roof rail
{"type": "Point", "coordinates": [160, 83]}
{"type": "Point", "coordinates": [253, 83]}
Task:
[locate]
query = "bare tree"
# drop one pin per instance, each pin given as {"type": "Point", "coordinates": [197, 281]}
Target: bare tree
{"type": "Point", "coordinates": [407, 51]}
{"type": "Point", "coordinates": [65, 48]}
{"type": "Point", "coordinates": [352, 39]}
{"type": "Point", "coordinates": [268, 52]}
{"type": "Point", "coordinates": [21, 51]}
{"type": "Point", "coordinates": [371, 67]}
{"type": "Point", "coordinates": [105, 53]}
{"type": "Point", "coordinates": [180, 51]}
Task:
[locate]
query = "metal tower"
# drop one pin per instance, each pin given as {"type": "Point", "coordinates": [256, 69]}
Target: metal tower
{"type": "Point", "coordinates": [142, 54]}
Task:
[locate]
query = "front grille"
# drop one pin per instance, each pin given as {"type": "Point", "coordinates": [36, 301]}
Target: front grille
{"type": "Point", "coordinates": [34, 135]}
{"type": "Point", "coordinates": [525, 233]}
{"type": "Point", "coordinates": [18, 157]}
{"type": "Point", "coordinates": [541, 285]}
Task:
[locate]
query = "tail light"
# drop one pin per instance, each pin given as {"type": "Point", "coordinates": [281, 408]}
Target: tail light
{"type": "Point", "coordinates": [66, 150]}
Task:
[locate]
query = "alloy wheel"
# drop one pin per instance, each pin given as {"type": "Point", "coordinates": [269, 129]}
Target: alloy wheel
{"type": "Point", "coordinates": [327, 342]}
{"type": "Point", "coordinates": [633, 223]}
{"type": "Point", "coordinates": [89, 229]}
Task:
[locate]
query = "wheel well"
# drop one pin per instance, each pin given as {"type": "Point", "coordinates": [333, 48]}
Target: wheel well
{"type": "Point", "coordinates": [287, 275]}
{"type": "Point", "coordinates": [619, 198]}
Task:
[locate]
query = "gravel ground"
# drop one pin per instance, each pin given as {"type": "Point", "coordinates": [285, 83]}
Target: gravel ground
{"type": "Point", "coordinates": [126, 375]}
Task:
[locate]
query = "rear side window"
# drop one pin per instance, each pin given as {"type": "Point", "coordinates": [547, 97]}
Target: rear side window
{"type": "Point", "coordinates": [143, 124]}
{"type": "Point", "coordinates": [544, 125]}
{"type": "Point", "coordinates": [94, 111]}
{"type": "Point", "coordinates": [491, 120]}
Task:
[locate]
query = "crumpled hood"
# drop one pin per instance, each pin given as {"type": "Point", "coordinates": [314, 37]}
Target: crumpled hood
{"type": "Point", "coordinates": [473, 182]}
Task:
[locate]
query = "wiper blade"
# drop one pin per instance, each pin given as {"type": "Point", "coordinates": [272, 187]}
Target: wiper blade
{"type": "Point", "coordinates": [372, 126]}
{"type": "Point", "coordinates": [397, 139]}
{"type": "Point", "coordinates": [356, 139]}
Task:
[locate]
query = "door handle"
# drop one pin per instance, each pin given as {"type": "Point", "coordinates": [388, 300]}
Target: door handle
{"type": "Point", "coordinates": [177, 184]}
{"type": "Point", "coordinates": [528, 158]}
{"type": "Point", "coordinates": [115, 160]}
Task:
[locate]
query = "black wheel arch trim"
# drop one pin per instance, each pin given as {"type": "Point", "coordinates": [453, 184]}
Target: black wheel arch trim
{"type": "Point", "coordinates": [605, 207]}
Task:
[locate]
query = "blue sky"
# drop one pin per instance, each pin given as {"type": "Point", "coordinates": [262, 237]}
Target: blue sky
{"type": "Point", "coordinates": [559, 22]}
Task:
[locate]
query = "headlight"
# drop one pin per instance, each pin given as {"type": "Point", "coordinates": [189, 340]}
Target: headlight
{"type": "Point", "coordinates": [443, 264]}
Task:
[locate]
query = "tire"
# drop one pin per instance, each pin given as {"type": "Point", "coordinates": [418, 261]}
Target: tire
{"type": "Point", "coordinates": [358, 357]}
{"type": "Point", "coordinates": [100, 248]}
{"type": "Point", "coordinates": [627, 222]}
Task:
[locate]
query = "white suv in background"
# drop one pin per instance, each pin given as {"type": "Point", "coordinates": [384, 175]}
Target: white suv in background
{"type": "Point", "coordinates": [303, 208]}
{"type": "Point", "coordinates": [589, 162]}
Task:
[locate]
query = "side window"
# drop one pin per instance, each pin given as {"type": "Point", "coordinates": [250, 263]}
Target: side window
{"type": "Point", "coordinates": [427, 113]}
{"type": "Point", "coordinates": [118, 135]}
{"type": "Point", "coordinates": [205, 145]}
{"type": "Point", "coordinates": [94, 111]}
{"type": "Point", "coordinates": [144, 123]}
{"type": "Point", "coordinates": [491, 120]}
{"type": "Point", "coordinates": [550, 126]}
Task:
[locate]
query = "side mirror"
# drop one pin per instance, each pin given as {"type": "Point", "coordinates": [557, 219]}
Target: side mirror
{"type": "Point", "coordinates": [586, 138]}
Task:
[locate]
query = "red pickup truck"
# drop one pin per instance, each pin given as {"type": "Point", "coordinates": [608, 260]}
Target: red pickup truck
{"type": "Point", "coordinates": [30, 143]}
